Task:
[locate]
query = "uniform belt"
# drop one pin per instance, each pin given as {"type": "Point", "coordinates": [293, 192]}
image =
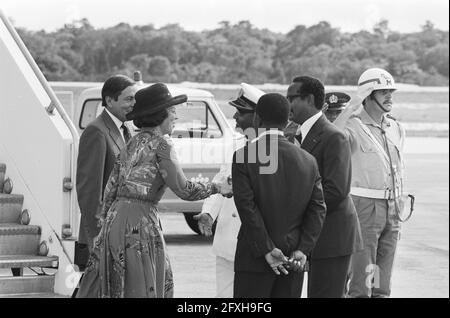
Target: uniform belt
{"type": "Point", "coordinates": [387, 194]}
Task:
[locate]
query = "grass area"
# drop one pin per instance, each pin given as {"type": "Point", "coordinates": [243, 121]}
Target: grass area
{"type": "Point", "coordinates": [409, 107]}
{"type": "Point", "coordinates": [427, 133]}
{"type": "Point", "coordinates": [399, 97]}
{"type": "Point", "coordinates": [429, 113]}
{"type": "Point", "coordinates": [426, 113]}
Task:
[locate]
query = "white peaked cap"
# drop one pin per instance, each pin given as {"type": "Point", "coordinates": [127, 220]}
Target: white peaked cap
{"type": "Point", "coordinates": [251, 92]}
{"type": "Point", "coordinates": [248, 97]}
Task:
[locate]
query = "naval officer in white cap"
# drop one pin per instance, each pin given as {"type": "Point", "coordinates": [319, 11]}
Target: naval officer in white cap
{"type": "Point", "coordinates": [222, 209]}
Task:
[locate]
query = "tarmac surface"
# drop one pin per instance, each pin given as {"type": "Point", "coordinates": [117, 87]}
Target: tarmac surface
{"type": "Point", "coordinates": [422, 262]}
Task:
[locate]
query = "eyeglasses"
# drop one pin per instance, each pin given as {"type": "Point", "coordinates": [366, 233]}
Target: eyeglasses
{"type": "Point", "coordinates": [291, 98]}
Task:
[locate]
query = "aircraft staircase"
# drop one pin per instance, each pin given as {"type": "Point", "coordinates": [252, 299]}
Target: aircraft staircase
{"type": "Point", "coordinates": [25, 268]}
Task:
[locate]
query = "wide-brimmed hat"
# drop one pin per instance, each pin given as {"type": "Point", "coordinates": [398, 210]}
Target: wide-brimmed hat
{"type": "Point", "coordinates": [247, 98]}
{"type": "Point", "coordinates": [152, 99]}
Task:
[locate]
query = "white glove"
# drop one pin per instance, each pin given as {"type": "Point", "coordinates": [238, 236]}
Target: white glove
{"type": "Point", "coordinates": [224, 186]}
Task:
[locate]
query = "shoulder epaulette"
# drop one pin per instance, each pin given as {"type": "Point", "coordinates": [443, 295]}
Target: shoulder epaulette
{"type": "Point", "coordinates": [391, 117]}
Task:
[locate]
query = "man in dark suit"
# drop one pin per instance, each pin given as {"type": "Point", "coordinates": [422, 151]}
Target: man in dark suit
{"type": "Point", "coordinates": [100, 144]}
{"type": "Point", "coordinates": [341, 233]}
{"type": "Point", "coordinates": [276, 221]}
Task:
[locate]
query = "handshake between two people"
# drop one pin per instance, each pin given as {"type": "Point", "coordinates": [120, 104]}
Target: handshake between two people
{"type": "Point", "coordinates": [204, 220]}
{"type": "Point", "coordinates": [224, 186]}
{"type": "Point", "coordinates": [279, 263]}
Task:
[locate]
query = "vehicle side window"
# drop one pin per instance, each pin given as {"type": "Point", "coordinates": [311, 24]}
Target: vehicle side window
{"type": "Point", "coordinates": [195, 120]}
{"type": "Point", "coordinates": [89, 112]}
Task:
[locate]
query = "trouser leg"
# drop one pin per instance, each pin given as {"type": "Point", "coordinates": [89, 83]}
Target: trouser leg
{"type": "Point", "coordinates": [224, 277]}
{"type": "Point", "coordinates": [288, 286]}
{"type": "Point", "coordinates": [363, 268]}
{"type": "Point", "coordinates": [267, 285]}
{"type": "Point", "coordinates": [387, 246]}
{"type": "Point", "coordinates": [327, 277]}
{"type": "Point", "coordinates": [253, 285]}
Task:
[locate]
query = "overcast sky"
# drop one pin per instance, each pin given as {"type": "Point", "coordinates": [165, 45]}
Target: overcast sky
{"type": "Point", "coordinates": [197, 15]}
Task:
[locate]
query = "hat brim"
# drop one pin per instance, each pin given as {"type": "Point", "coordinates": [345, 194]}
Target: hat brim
{"type": "Point", "coordinates": [173, 101]}
{"type": "Point", "coordinates": [240, 107]}
{"type": "Point", "coordinates": [335, 108]}
{"type": "Point", "coordinates": [389, 87]}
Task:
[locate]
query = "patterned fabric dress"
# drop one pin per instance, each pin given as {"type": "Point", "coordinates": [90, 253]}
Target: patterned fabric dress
{"type": "Point", "coordinates": [129, 258]}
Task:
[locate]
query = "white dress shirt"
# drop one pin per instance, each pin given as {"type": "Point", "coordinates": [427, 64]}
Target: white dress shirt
{"type": "Point", "coordinates": [117, 122]}
{"type": "Point", "coordinates": [306, 126]}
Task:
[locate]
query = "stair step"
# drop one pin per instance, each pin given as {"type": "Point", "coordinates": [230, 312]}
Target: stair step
{"type": "Point", "coordinates": [10, 207]}
{"type": "Point", "coordinates": [34, 295]}
{"type": "Point", "coordinates": [18, 261]}
{"type": "Point", "coordinates": [2, 175]}
{"type": "Point", "coordinates": [17, 239]}
{"type": "Point", "coordinates": [26, 284]}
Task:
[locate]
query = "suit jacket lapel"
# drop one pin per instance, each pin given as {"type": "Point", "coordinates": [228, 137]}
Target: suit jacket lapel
{"type": "Point", "coordinates": [114, 132]}
{"type": "Point", "coordinates": [314, 135]}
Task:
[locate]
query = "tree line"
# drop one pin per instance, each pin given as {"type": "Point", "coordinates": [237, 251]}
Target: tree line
{"type": "Point", "coordinates": [235, 53]}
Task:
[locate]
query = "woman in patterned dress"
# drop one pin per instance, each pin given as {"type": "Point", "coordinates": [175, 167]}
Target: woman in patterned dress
{"type": "Point", "coordinates": [129, 258]}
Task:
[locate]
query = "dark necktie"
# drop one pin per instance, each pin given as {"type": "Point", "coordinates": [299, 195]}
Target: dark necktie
{"type": "Point", "coordinates": [126, 133]}
{"type": "Point", "coordinates": [299, 138]}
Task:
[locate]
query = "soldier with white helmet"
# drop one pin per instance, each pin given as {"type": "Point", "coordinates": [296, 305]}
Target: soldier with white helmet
{"type": "Point", "coordinates": [376, 140]}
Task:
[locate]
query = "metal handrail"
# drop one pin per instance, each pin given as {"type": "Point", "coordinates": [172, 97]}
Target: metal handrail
{"type": "Point", "coordinates": [54, 103]}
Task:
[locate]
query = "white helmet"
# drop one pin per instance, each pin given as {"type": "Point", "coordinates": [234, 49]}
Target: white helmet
{"type": "Point", "coordinates": [375, 79]}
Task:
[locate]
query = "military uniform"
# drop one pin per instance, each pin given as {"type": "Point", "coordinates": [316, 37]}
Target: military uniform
{"type": "Point", "coordinates": [377, 174]}
{"type": "Point", "coordinates": [335, 103]}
